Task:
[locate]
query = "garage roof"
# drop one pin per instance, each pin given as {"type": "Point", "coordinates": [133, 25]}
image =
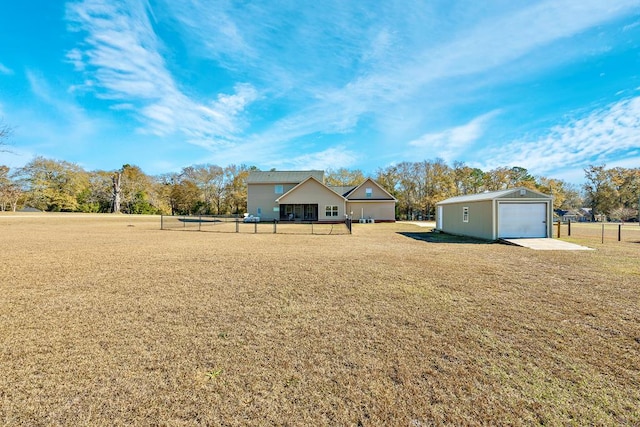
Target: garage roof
{"type": "Point", "coordinates": [489, 195]}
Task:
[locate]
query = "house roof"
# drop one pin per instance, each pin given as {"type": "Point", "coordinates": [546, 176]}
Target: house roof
{"type": "Point", "coordinates": [342, 190]}
{"type": "Point", "coordinates": [489, 195]}
{"type": "Point", "coordinates": [278, 177]}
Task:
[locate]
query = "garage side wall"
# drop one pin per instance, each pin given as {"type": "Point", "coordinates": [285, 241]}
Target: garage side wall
{"type": "Point", "coordinates": [480, 219]}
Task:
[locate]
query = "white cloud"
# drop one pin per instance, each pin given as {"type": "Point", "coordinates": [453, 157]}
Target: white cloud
{"type": "Point", "coordinates": [326, 68]}
{"type": "Point", "coordinates": [604, 134]}
{"type": "Point", "coordinates": [450, 143]}
{"type": "Point", "coordinates": [75, 57]}
{"type": "Point", "coordinates": [123, 55]}
{"type": "Point", "coordinates": [331, 158]}
{"type": "Point", "coordinates": [417, 77]}
{"type": "Point", "coordinates": [5, 70]}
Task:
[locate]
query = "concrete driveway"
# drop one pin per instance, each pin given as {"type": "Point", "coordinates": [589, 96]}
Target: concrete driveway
{"type": "Point", "coordinates": [546, 244]}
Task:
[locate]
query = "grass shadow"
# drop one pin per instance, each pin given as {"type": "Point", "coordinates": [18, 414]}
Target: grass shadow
{"type": "Point", "coordinates": [438, 237]}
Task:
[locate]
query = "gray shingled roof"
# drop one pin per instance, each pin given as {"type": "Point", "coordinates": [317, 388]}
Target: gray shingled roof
{"type": "Point", "coordinates": [343, 190]}
{"type": "Point", "coordinates": [489, 195]}
{"type": "Point", "coordinates": [276, 177]}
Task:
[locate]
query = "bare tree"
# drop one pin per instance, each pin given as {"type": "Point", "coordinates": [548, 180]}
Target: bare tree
{"type": "Point", "coordinates": [115, 203]}
{"type": "Point", "coordinates": [5, 133]}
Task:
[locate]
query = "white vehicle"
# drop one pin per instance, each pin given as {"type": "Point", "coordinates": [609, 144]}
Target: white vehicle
{"type": "Point", "coordinates": [251, 218]}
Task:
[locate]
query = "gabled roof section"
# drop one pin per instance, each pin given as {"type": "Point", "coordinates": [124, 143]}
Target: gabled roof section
{"type": "Point", "coordinates": [294, 189]}
{"type": "Point", "coordinates": [489, 195]}
{"type": "Point", "coordinates": [282, 177]}
{"type": "Point", "coordinates": [371, 181]}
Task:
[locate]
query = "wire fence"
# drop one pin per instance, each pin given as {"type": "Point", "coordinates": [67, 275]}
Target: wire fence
{"type": "Point", "coordinates": [226, 224]}
{"type": "Point", "coordinates": [601, 232]}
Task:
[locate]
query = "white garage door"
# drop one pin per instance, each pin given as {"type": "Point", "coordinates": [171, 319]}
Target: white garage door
{"type": "Point", "coordinates": [522, 220]}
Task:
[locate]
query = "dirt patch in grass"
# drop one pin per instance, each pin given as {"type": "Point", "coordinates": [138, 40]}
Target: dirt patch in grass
{"type": "Point", "coordinates": [107, 320]}
{"type": "Point", "coordinates": [438, 237]}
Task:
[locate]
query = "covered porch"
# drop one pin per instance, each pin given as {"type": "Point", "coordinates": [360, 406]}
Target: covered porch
{"type": "Point", "coordinates": [298, 212]}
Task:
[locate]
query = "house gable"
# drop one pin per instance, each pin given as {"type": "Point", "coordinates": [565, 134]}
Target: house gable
{"type": "Point", "coordinates": [369, 190]}
{"type": "Point", "coordinates": [310, 191]}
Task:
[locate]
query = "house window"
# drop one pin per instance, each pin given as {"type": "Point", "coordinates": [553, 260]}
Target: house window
{"type": "Point", "coordinates": [259, 211]}
{"type": "Point", "coordinates": [279, 189]}
{"type": "Point", "coordinates": [368, 193]}
{"type": "Point", "coordinates": [465, 214]}
{"type": "Point", "coordinates": [331, 210]}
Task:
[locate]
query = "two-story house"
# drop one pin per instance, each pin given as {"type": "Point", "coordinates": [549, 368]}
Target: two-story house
{"type": "Point", "coordinates": [303, 196]}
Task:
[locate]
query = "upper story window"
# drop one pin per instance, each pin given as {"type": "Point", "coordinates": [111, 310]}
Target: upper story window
{"type": "Point", "coordinates": [368, 192]}
{"type": "Point", "coordinates": [279, 189]}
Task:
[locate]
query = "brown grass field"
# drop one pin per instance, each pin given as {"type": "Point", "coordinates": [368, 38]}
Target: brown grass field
{"type": "Point", "coordinates": [107, 320]}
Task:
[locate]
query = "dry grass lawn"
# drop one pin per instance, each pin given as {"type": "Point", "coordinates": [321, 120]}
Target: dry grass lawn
{"type": "Point", "coordinates": [107, 320]}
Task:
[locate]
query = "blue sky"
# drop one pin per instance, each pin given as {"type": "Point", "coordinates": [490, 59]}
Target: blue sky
{"type": "Point", "coordinates": [552, 86]}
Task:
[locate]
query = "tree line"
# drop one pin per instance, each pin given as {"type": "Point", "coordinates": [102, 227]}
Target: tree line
{"type": "Point", "coordinates": [60, 186]}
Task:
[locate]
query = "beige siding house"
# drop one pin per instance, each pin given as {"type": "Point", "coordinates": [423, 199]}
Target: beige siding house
{"type": "Point", "coordinates": [303, 196]}
{"type": "Point", "coordinates": [512, 213]}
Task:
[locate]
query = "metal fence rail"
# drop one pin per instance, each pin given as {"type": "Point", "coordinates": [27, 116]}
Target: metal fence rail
{"type": "Point", "coordinates": [599, 231]}
{"type": "Point", "coordinates": [225, 224]}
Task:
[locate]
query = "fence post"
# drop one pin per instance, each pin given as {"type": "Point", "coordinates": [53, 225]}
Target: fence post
{"type": "Point", "coordinates": [619, 232]}
{"type": "Point", "coordinates": [569, 225]}
{"type": "Point", "coordinates": [255, 227]}
{"type": "Point", "coordinates": [602, 236]}
{"type": "Point", "coordinates": [161, 222]}
{"type": "Point", "coordinates": [274, 225]}
{"type": "Point", "coordinates": [237, 225]}
{"type": "Point", "coordinates": [559, 222]}
{"type": "Point", "coordinates": [199, 222]}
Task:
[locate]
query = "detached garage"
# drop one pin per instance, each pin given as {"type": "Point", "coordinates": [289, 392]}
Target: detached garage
{"type": "Point", "coordinates": [513, 213]}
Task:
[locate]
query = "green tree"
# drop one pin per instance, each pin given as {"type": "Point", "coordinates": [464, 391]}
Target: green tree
{"type": "Point", "coordinates": [565, 196]}
{"type": "Point", "coordinates": [520, 177]}
{"type": "Point", "coordinates": [408, 192]}
{"type": "Point", "coordinates": [467, 180]}
{"type": "Point", "coordinates": [10, 191]}
{"type": "Point", "coordinates": [344, 177]}
{"type": "Point", "coordinates": [53, 185]}
{"type": "Point", "coordinates": [210, 181]}
{"type": "Point", "coordinates": [136, 191]}
{"type": "Point", "coordinates": [97, 197]}
{"type": "Point", "coordinates": [599, 189]}
{"type": "Point", "coordinates": [236, 188]}
{"type": "Point", "coordinates": [497, 179]}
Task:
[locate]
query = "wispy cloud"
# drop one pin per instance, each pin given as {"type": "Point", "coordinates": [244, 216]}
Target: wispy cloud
{"type": "Point", "coordinates": [605, 133]}
{"type": "Point", "coordinates": [327, 68]}
{"type": "Point", "coordinates": [122, 56]}
{"type": "Point", "coordinates": [5, 70]}
{"type": "Point", "coordinates": [450, 143]}
{"type": "Point", "coordinates": [331, 158]}
{"type": "Point", "coordinates": [393, 66]}
{"type": "Point", "coordinates": [70, 118]}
